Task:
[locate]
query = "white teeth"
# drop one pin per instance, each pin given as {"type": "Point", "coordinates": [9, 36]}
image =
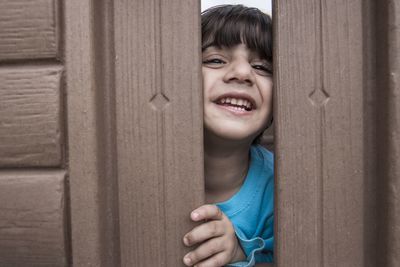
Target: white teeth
{"type": "Point", "coordinates": [241, 104]}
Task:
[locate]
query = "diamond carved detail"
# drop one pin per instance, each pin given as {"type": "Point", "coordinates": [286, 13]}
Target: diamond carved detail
{"type": "Point", "coordinates": [159, 101]}
{"type": "Point", "coordinates": [319, 97]}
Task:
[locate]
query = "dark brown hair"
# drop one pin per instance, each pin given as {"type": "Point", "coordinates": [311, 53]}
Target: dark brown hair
{"type": "Point", "coordinates": [230, 25]}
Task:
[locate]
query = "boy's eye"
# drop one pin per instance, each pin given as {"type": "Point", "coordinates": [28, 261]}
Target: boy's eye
{"type": "Point", "coordinates": [213, 61]}
{"type": "Point", "coordinates": [262, 69]}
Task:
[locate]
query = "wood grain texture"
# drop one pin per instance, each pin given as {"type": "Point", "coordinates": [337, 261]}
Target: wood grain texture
{"type": "Point", "coordinates": [32, 218]}
{"type": "Point", "coordinates": [371, 146]}
{"type": "Point", "coordinates": [108, 182]}
{"type": "Point", "coordinates": [297, 70]}
{"type": "Point", "coordinates": [319, 129]}
{"type": "Point", "coordinates": [388, 137]}
{"type": "Point", "coordinates": [29, 29]}
{"type": "Point", "coordinates": [393, 135]}
{"type": "Point", "coordinates": [159, 127]}
{"type": "Point", "coordinates": [83, 143]}
{"type": "Point", "coordinates": [30, 116]}
{"type": "Point", "coordinates": [343, 182]}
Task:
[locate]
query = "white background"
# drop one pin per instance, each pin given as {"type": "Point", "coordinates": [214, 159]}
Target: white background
{"type": "Point", "coordinates": [264, 5]}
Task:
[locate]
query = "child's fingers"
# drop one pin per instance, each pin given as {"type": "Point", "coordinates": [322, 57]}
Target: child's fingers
{"type": "Point", "coordinates": [218, 260]}
{"type": "Point", "coordinates": [203, 232]}
{"type": "Point", "coordinates": [207, 212]}
{"type": "Point", "coordinates": [205, 250]}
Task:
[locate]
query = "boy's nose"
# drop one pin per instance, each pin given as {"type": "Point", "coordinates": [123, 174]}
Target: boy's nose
{"type": "Point", "coordinates": [240, 71]}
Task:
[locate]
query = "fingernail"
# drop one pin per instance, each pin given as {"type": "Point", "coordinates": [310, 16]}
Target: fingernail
{"type": "Point", "coordinates": [186, 241]}
{"type": "Point", "coordinates": [195, 215]}
{"type": "Point", "coordinates": [187, 260]}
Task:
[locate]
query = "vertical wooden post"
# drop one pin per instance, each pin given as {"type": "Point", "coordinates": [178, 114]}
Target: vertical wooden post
{"type": "Point", "coordinates": [388, 136]}
{"type": "Point", "coordinates": [319, 133]}
{"type": "Point", "coordinates": [158, 127]}
{"type": "Point", "coordinates": [393, 134]}
{"type": "Point", "coordinates": [135, 129]}
{"type": "Point", "coordinates": [82, 134]}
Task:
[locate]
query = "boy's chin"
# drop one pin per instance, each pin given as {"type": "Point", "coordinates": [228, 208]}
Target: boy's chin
{"type": "Point", "coordinates": [232, 135]}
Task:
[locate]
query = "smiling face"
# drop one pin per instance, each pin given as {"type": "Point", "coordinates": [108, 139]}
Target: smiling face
{"type": "Point", "coordinates": [237, 87]}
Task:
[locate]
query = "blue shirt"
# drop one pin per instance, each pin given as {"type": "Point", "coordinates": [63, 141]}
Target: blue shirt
{"type": "Point", "coordinates": [251, 209]}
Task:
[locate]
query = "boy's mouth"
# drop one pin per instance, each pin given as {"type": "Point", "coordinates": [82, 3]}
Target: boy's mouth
{"type": "Point", "coordinates": [239, 103]}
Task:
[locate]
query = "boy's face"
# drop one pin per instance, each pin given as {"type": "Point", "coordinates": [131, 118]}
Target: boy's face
{"type": "Point", "coordinates": [237, 86]}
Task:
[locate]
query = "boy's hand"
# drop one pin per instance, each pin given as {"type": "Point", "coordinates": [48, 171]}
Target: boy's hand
{"type": "Point", "coordinates": [216, 238]}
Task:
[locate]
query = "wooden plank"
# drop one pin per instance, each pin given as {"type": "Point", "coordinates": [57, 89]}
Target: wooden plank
{"type": "Point", "coordinates": [104, 58]}
{"type": "Point", "coordinates": [343, 155]}
{"type": "Point", "coordinates": [319, 129]}
{"type": "Point", "coordinates": [388, 137]}
{"type": "Point", "coordinates": [30, 116]}
{"type": "Point", "coordinates": [371, 146]}
{"type": "Point", "coordinates": [297, 68]}
{"type": "Point", "coordinates": [393, 135]}
{"type": "Point", "coordinates": [32, 218]}
{"type": "Point", "coordinates": [180, 141]}
{"type": "Point", "coordinates": [29, 29]}
{"type": "Point", "coordinates": [83, 142]}
{"type": "Point", "coordinates": [159, 127]}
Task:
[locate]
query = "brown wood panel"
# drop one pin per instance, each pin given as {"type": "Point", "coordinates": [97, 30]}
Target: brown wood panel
{"type": "Point", "coordinates": [30, 116]}
{"type": "Point", "coordinates": [159, 127]}
{"type": "Point", "coordinates": [297, 70]}
{"type": "Point", "coordinates": [29, 29]}
{"type": "Point", "coordinates": [343, 152]}
{"type": "Point", "coordinates": [83, 143]}
{"type": "Point", "coordinates": [319, 129]}
{"type": "Point", "coordinates": [388, 136]}
{"type": "Point", "coordinates": [104, 82]}
{"type": "Point", "coordinates": [371, 177]}
{"type": "Point", "coordinates": [32, 218]}
{"type": "Point", "coordinates": [393, 135]}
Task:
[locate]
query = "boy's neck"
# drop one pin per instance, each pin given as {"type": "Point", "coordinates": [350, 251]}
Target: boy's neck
{"type": "Point", "coordinates": [226, 165]}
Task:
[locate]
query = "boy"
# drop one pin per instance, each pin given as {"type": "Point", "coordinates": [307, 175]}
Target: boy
{"type": "Point", "coordinates": [237, 84]}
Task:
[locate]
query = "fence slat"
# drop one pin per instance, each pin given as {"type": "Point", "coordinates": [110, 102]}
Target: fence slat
{"type": "Point", "coordinates": [298, 68]}
{"type": "Point", "coordinates": [393, 131]}
{"type": "Point", "coordinates": [83, 141]}
{"type": "Point", "coordinates": [388, 135]}
{"type": "Point", "coordinates": [159, 127]}
{"type": "Point", "coordinates": [319, 131]}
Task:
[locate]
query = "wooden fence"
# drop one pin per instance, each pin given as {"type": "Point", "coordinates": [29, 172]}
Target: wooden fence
{"type": "Point", "coordinates": [101, 132]}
